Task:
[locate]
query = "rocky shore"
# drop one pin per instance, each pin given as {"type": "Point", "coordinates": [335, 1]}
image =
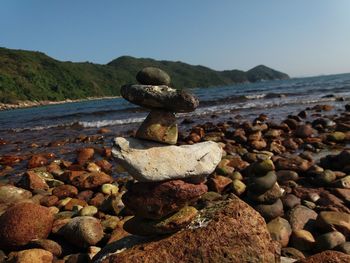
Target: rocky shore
{"type": "Point", "coordinates": [234, 191]}
{"type": "Point", "coordinates": [31, 104]}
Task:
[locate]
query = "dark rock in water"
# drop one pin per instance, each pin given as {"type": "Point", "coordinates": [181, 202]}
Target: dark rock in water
{"type": "Point", "coordinates": [22, 223]}
{"type": "Point", "coordinates": [156, 200]}
{"type": "Point", "coordinates": [227, 231]}
{"type": "Point", "coordinates": [153, 76]}
{"type": "Point", "coordinates": [159, 126]}
{"type": "Point", "coordinates": [160, 97]}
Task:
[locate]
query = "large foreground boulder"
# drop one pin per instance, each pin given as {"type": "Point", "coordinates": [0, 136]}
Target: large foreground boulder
{"type": "Point", "coordinates": [149, 161]}
{"type": "Point", "coordinates": [156, 200]}
{"type": "Point", "coordinates": [22, 223]}
{"type": "Point", "coordinates": [227, 231]}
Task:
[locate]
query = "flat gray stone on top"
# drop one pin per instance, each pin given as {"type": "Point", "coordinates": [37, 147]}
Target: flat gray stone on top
{"type": "Point", "coordinates": [149, 161]}
{"type": "Point", "coordinates": [160, 97]}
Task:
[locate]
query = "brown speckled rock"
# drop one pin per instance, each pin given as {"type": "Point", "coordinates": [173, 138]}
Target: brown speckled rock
{"type": "Point", "coordinates": [228, 231]}
{"type": "Point", "coordinates": [34, 255]}
{"type": "Point", "coordinates": [64, 191]}
{"type": "Point", "coordinates": [32, 181]}
{"type": "Point", "coordinates": [85, 155]}
{"type": "Point", "coordinates": [23, 223]}
{"type": "Point", "coordinates": [328, 256]}
{"type": "Point", "coordinates": [82, 231]}
{"type": "Point", "coordinates": [91, 180]}
{"type": "Point", "coordinates": [156, 200]}
{"type": "Point", "coordinates": [10, 194]}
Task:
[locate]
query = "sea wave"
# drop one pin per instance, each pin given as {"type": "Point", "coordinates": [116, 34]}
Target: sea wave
{"type": "Point", "coordinates": [82, 124]}
{"type": "Point", "coordinates": [259, 101]}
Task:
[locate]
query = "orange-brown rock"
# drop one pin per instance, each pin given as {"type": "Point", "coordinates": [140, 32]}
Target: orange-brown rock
{"type": "Point", "coordinates": [228, 231]}
{"type": "Point", "coordinates": [32, 181]}
{"type": "Point", "coordinates": [218, 183]}
{"type": "Point", "coordinates": [85, 155]}
{"type": "Point", "coordinates": [156, 200]}
{"type": "Point", "coordinates": [10, 159]}
{"type": "Point", "coordinates": [328, 256]}
{"type": "Point", "coordinates": [64, 191]}
{"type": "Point", "coordinates": [35, 255]}
{"type": "Point", "coordinates": [23, 223]}
{"type": "Point", "coordinates": [105, 165]}
{"type": "Point", "coordinates": [37, 161]}
{"type": "Point", "coordinates": [73, 202]}
{"type": "Point", "coordinates": [91, 180]}
{"type": "Point", "coordinates": [49, 200]}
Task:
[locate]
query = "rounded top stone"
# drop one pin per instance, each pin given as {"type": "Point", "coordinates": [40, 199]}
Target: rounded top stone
{"type": "Point", "coordinates": [153, 76]}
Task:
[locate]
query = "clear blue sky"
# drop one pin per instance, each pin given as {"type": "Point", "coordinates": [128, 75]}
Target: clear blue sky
{"type": "Point", "coordinates": [299, 37]}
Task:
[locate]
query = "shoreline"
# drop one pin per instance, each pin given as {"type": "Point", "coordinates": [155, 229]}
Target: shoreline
{"type": "Point", "coordinates": [305, 155]}
{"type": "Point", "coordinates": [32, 104]}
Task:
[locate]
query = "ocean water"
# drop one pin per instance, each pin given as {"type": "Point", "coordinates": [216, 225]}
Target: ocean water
{"type": "Point", "coordinates": [275, 98]}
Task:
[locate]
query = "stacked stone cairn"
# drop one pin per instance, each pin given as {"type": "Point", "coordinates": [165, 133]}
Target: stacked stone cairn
{"type": "Point", "coordinates": [168, 178]}
{"type": "Point", "coordinates": [264, 191]}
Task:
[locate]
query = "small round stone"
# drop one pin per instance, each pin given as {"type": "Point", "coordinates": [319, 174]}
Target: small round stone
{"type": "Point", "coordinates": [262, 184]}
{"type": "Point", "coordinates": [329, 240]}
{"type": "Point", "coordinates": [109, 189]}
{"type": "Point", "coordinates": [88, 211]}
{"type": "Point", "coordinates": [153, 76]}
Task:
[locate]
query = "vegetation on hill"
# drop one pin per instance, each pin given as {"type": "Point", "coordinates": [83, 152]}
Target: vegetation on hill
{"type": "Point", "coordinates": [28, 75]}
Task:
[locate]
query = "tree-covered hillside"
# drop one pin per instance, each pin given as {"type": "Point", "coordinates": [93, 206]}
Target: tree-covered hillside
{"type": "Point", "coordinates": [28, 75]}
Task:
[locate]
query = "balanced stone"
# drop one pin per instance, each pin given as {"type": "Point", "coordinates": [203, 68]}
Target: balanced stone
{"type": "Point", "coordinates": [149, 161]}
{"type": "Point", "coordinates": [159, 97]}
{"type": "Point", "coordinates": [153, 76]}
{"type": "Point", "coordinates": [159, 199]}
{"type": "Point", "coordinates": [159, 126]}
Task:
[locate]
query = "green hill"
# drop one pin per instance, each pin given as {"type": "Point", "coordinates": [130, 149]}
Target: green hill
{"type": "Point", "coordinates": [28, 75]}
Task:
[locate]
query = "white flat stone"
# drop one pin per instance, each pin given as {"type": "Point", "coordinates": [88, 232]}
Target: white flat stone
{"type": "Point", "coordinates": [149, 161]}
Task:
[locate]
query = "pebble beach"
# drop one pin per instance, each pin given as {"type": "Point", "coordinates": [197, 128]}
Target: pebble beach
{"type": "Point", "coordinates": [217, 187]}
